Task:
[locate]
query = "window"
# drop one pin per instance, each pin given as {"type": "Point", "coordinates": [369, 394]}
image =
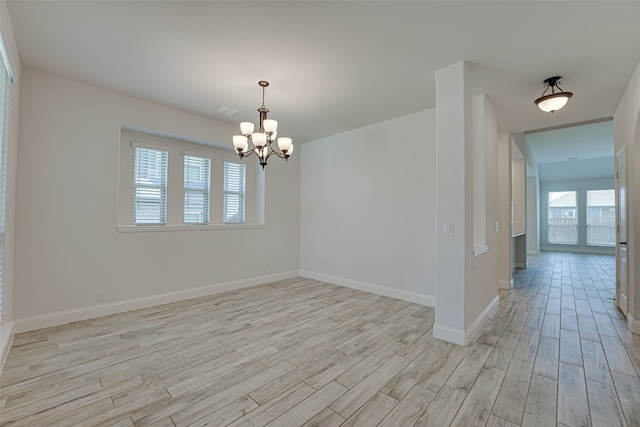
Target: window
{"type": "Point", "coordinates": [562, 220]}
{"type": "Point", "coordinates": [234, 192]}
{"type": "Point", "coordinates": [150, 186]}
{"type": "Point", "coordinates": [5, 79]}
{"type": "Point", "coordinates": [171, 184]}
{"type": "Point", "coordinates": [197, 173]}
{"type": "Point", "coordinates": [601, 218]}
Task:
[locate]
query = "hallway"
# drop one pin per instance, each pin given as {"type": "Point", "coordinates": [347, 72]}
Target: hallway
{"type": "Point", "coordinates": [574, 361]}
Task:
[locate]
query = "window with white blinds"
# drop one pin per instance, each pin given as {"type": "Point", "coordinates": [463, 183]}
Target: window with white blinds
{"type": "Point", "coordinates": [234, 192]}
{"type": "Point", "coordinates": [150, 186]}
{"type": "Point", "coordinates": [5, 80]}
{"type": "Point", "coordinates": [168, 184]}
{"type": "Point", "coordinates": [197, 178]}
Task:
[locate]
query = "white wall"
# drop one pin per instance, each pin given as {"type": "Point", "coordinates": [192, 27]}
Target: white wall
{"type": "Point", "coordinates": [67, 244]}
{"type": "Point", "coordinates": [8, 314]}
{"type": "Point", "coordinates": [626, 121]}
{"type": "Point", "coordinates": [367, 208]}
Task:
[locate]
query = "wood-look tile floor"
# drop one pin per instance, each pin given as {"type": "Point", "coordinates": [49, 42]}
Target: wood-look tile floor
{"type": "Point", "coordinates": [300, 352]}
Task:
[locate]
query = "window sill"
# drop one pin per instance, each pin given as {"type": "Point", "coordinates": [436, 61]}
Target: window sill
{"type": "Point", "coordinates": [480, 249]}
{"type": "Point", "coordinates": [154, 228]}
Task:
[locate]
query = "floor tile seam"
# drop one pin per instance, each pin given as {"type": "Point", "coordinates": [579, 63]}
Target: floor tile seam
{"type": "Point", "coordinates": [79, 375]}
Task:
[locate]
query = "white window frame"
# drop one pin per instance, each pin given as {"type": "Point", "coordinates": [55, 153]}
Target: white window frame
{"type": "Point", "coordinates": [161, 186]}
{"type": "Point", "coordinates": [136, 136]}
{"type": "Point", "coordinates": [6, 79]}
{"type": "Point", "coordinates": [240, 193]}
{"type": "Point", "coordinates": [205, 191]}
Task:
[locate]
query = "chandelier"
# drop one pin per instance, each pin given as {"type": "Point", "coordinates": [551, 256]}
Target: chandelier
{"type": "Point", "coordinates": [262, 139]}
{"type": "Point", "coordinates": [555, 100]}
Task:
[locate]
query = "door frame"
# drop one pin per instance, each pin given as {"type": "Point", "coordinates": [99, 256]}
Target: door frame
{"type": "Point", "coordinates": [622, 273]}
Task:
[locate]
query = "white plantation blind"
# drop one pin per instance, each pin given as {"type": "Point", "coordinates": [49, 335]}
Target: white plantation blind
{"type": "Point", "coordinates": [6, 78]}
{"type": "Point", "coordinates": [197, 174]}
{"type": "Point", "coordinates": [150, 186]}
{"type": "Point", "coordinates": [234, 192]}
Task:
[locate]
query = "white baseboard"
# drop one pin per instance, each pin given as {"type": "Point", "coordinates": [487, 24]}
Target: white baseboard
{"type": "Point", "coordinates": [370, 287]}
{"type": "Point", "coordinates": [634, 325]}
{"type": "Point", "coordinates": [505, 284]}
{"type": "Point", "coordinates": [460, 337]}
{"type": "Point", "coordinates": [489, 311]}
{"type": "Point", "coordinates": [84, 313]}
{"type": "Point", "coordinates": [446, 333]}
{"type": "Point", "coordinates": [532, 252]}
{"type": "Point", "coordinates": [6, 338]}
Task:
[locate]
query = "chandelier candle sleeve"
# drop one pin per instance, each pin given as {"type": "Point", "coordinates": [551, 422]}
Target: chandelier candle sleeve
{"type": "Point", "coordinates": [240, 143]}
{"type": "Point", "coordinates": [246, 128]}
{"type": "Point", "coordinates": [259, 139]}
{"type": "Point", "coordinates": [263, 138]}
{"type": "Point", "coordinates": [284, 144]}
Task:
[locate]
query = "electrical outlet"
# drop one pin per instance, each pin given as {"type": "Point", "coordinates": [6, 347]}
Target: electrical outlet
{"type": "Point", "coordinates": [398, 283]}
{"type": "Point", "coordinates": [101, 295]}
{"type": "Point", "coordinates": [270, 268]}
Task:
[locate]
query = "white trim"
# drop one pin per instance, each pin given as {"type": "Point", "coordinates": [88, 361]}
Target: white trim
{"type": "Point", "coordinates": [505, 284]}
{"type": "Point", "coordinates": [7, 61]}
{"type": "Point", "coordinates": [594, 250]}
{"type": "Point", "coordinates": [532, 252]}
{"type": "Point", "coordinates": [480, 249]}
{"type": "Point", "coordinates": [461, 337]}
{"type": "Point", "coordinates": [84, 313]}
{"type": "Point", "coordinates": [6, 339]}
{"type": "Point", "coordinates": [175, 136]}
{"type": "Point", "coordinates": [370, 287]}
{"type": "Point", "coordinates": [153, 145]}
{"type": "Point", "coordinates": [195, 153]}
{"type": "Point", "coordinates": [632, 324]}
{"type": "Point", "coordinates": [446, 333]}
{"type": "Point", "coordinates": [489, 311]}
{"type": "Point", "coordinates": [185, 227]}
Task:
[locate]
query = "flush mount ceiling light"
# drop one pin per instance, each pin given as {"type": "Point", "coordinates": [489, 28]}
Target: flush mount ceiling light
{"type": "Point", "coordinates": [263, 138]}
{"type": "Point", "coordinates": [555, 100]}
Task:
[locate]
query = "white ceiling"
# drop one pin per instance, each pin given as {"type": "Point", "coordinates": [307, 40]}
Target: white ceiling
{"type": "Point", "coordinates": [578, 152]}
{"type": "Point", "coordinates": [335, 66]}
{"type": "Point", "coordinates": [589, 141]}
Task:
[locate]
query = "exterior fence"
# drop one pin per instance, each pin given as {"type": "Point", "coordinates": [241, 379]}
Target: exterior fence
{"type": "Point", "coordinates": [600, 231]}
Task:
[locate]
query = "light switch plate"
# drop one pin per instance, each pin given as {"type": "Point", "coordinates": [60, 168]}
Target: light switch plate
{"type": "Point", "coordinates": [448, 229]}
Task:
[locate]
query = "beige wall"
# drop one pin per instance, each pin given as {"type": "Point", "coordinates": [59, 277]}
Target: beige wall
{"type": "Point", "coordinates": [67, 243]}
{"type": "Point", "coordinates": [367, 216]}
{"type": "Point", "coordinates": [482, 281]}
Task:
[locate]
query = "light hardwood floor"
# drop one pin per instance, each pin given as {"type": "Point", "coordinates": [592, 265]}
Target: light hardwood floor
{"type": "Point", "coordinates": [300, 352]}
